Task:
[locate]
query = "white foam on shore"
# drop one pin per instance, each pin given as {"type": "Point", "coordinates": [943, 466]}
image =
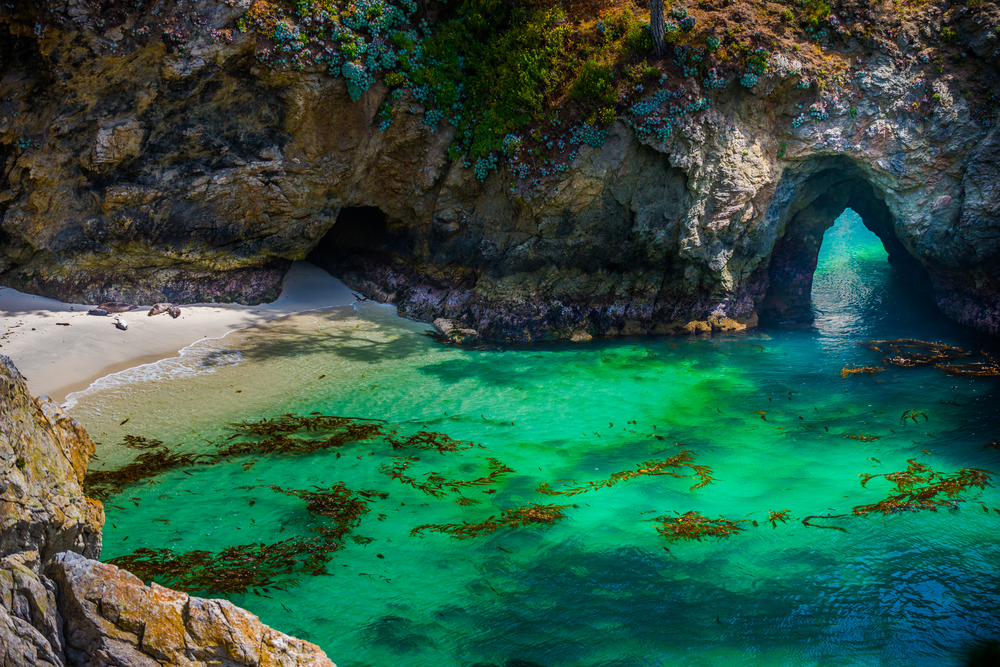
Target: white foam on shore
{"type": "Point", "coordinates": [199, 358]}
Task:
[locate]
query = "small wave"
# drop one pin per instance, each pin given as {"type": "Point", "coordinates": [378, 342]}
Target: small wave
{"type": "Point", "coordinates": [199, 358]}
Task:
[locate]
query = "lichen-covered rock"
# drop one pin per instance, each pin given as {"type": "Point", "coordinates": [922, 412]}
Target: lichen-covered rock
{"type": "Point", "coordinates": [43, 459]}
{"type": "Point", "coordinates": [30, 624]}
{"type": "Point", "coordinates": [59, 608]}
{"type": "Point", "coordinates": [110, 617]}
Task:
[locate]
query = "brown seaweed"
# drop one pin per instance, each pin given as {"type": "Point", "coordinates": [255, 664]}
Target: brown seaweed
{"type": "Point", "coordinates": [919, 487]}
{"type": "Point", "coordinates": [337, 502]}
{"type": "Point", "coordinates": [102, 484]}
{"type": "Point", "coordinates": [139, 442]}
{"type": "Point", "coordinates": [910, 352]}
{"type": "Point", "coordinates": [429, 440]}
{"type": "Point", "coordinates": [854, 370]}
{"type": "Point", "coordinates": [653, 467]}
{"type": "Point", "coordinates": [283, 443]}
{"type": "Point", "coordinates": [694, 526]}
{"type": "Point", "coordinates": [273, 436]}
{"type": "Point", "coordinates": [774, 517]}
{"type": "Point", "coordinates": [289, 423]}
{"type": "Point", "coordinates": [245, 567]}
{"type": "Point", "coordinates": [807, 521]}
{"type": "Point", "coordinates": [436, 485]}
{"type": "Point", "coordinates": [862, 437]}
{"type": "Point", "coordinates": [526, 515]}
{"type": "Point", "coordinates": [988, 367]}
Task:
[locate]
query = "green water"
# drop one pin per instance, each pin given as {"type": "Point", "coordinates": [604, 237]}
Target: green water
{"type": "Point", "coordinates": [767, 411]}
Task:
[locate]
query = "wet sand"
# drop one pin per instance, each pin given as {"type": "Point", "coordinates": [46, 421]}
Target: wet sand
{"type": "Point", "coordinates": [57, 359]}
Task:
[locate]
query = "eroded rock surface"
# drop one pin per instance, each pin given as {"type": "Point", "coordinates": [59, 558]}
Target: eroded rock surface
{"type": "Point", "coordinates": [112, 618]}
{"type": "Point", "coordinates": [163, 174]}
{"type": "Point", "coordinates": [61, 608]}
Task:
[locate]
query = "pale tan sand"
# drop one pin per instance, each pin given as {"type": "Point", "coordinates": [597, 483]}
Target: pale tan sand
{"type": "Point", "coordinates": [58, 360]}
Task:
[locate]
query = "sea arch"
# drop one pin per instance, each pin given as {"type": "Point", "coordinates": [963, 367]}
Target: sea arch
{"type": "Point", "coordinates": [820, 193]}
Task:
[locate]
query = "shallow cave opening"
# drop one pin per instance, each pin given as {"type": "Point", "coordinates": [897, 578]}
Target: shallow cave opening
{"type": "Point", "coordinates": [795, 254]}
{"type": "Point", "coordinates": [361, 237]}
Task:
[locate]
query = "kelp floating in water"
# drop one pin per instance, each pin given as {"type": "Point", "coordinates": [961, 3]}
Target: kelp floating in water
{"type": "Point", "coordinates": [337, 502]}
{"type": "Point", "coordinates": [436, 485]}
{"type": "Point", "coordinates": [862, 437]}
{"type": "Point", "coordinates": [260, 566]}
{"type": "Point", "coordinates": [139, 442]}
{"type": "Point", "coordinates": [988, 367]}
{"type": "Point", "coordinates": [282, 443]}
{"type": "Point", "coordinates": [921, 488]}
{"type": "Point", "coordinates": [102, 484]}
{"type": "Point", "coordinates": [234, 570]}
{"type": "Point", "coordinates": [774, 517]}
{"type": "Point", "coordinates": [653, 467]}
{"type": "Point", "coordinates": [519, 517]}
{"type": "Point", "coordinates": [912, 414]}
{"type": "Point", "coordinates": [275, 436]}
{"type": "Point", "coordinates": [694, 526]}
{"type": "Point", "coordinates": [854, 370]}
{"type": "Point", "coordinates": [429, 440]}
{"type": "Point", "coordinates": [910, 352]}
{"type": "Point", "coordinates": [289, 423]}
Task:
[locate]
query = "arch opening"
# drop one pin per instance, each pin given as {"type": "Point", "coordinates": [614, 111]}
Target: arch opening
{"type": "Point", "coordinates": [795, 254]}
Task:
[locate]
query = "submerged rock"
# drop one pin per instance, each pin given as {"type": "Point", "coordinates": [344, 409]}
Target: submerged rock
{"type": "Point", "coordinates": [453, 330]}
{"type": "Point", "coordinates": [58, 606]}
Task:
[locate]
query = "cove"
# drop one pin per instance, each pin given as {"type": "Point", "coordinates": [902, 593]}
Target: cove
{"type": "Point", "coordinates": [769, 413]}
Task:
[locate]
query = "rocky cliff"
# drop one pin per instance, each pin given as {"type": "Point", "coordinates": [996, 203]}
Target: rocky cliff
{"type": "Point", "coordinates": [61, 608]}
{"type": "Point", "coordinates": [184, 169]}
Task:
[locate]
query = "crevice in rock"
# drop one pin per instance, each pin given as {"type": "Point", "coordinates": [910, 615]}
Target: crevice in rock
{"type": "Point", "coordinates": [824, 195]}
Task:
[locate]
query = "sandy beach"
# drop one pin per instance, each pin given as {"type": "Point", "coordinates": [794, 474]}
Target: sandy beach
{"type": "Point", "coordinates": [60, 349]}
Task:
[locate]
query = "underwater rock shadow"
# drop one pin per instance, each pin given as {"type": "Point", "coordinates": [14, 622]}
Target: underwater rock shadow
{"type": "Point", "coordinates": [536, 365]}
{"type": "Point", "coordinates": [620, 597]}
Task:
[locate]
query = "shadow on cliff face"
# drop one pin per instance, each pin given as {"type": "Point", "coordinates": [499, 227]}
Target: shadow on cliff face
{"type": "Point", "coordinates": [823, 197]}
{"type": "Point", "coordinates": [362, 249]}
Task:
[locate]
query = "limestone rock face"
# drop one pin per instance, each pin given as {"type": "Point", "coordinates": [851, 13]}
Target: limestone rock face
{"type": "Point", "coordinates": [60, 608]}
{"type": "Point", "coordinates": [163, 174]}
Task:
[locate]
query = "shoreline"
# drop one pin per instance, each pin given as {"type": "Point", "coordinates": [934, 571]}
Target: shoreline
{"type": "Point", "coordinates": [59, 360]}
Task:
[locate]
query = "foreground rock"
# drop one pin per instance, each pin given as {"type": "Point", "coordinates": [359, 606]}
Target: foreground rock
{"type": "Point", "coordinates": [61, 608]}
{"type": "Point", "coordinates": [112, 618]}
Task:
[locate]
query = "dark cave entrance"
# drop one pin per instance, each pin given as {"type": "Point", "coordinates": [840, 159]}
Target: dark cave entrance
{"type": "Point", "coordinates": [362, 241]}
{"type": "Point", "coordinates": [827, 194]}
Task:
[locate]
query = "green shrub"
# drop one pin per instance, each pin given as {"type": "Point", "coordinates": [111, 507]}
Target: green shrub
{"type": "Point", "coordinates": [395, 79]}
{"type": "Point", "coordinates": [949, 35]}
{"type": "Point", "coordinates": [605, 116]}
{"type": "Point", "coordinates": [594, 83]}
{"type": "Point", "coordinates": [350, 50]}
{"type": "Point", "coordinates": [639, 37]}
{"type": "Point", "coordinates": [401, 41]}
{"type": "Point", "coordinates": [787, 15]}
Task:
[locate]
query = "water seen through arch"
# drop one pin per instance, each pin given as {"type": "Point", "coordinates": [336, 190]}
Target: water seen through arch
{"type": "Point", "coordinates": [768, 412]}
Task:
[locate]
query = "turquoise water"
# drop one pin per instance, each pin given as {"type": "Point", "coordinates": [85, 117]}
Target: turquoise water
{"type": "Point", "coordinates": [766, 411]}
